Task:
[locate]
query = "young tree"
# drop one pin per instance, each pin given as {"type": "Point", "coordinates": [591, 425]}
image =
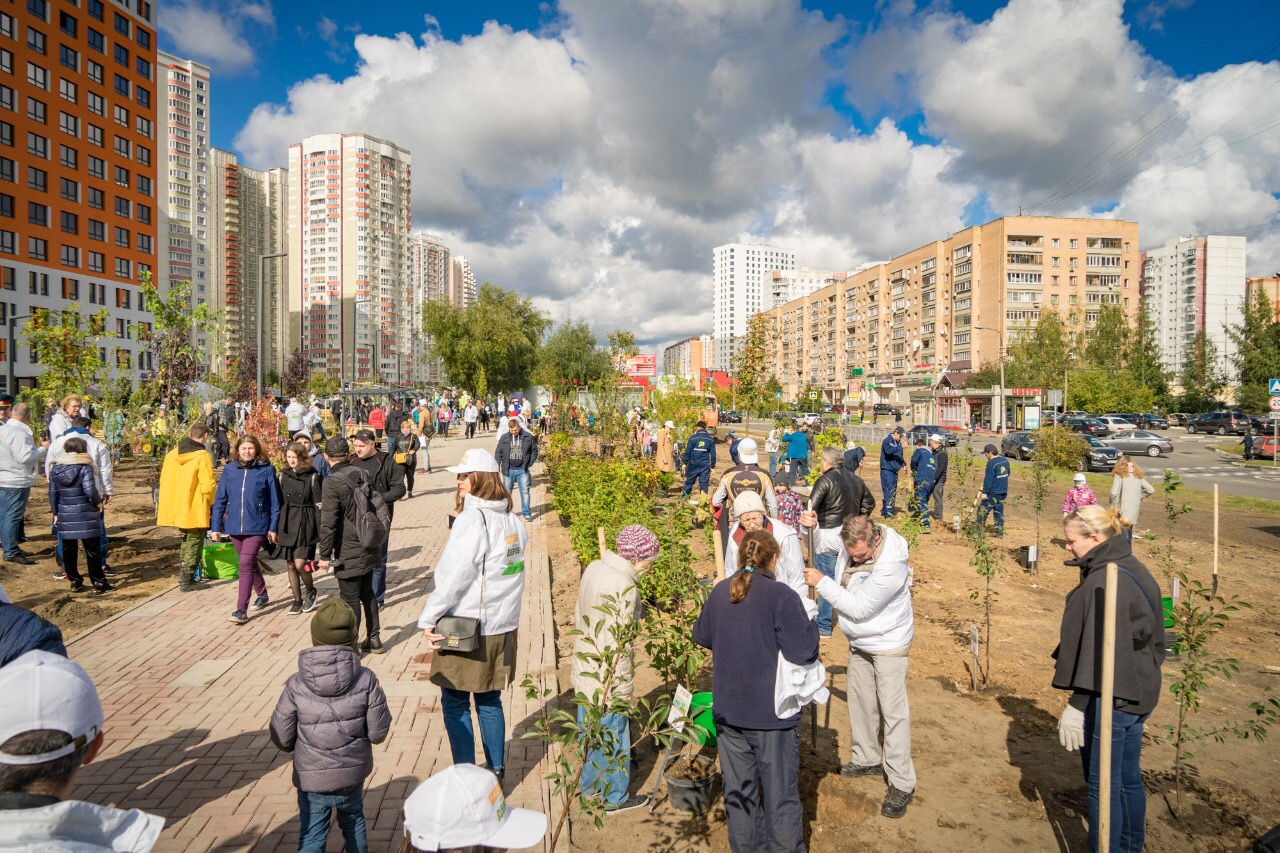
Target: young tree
{"type": "Point", "coordinates": [571, 357]}
{"type": "Point", "coordinates": [1202, 379]}
{"type": "Point", "coordinates": [65, 345]}
{"type": "Point", "coordinates": [753, 367]}
{"type": "Point", "coordinates": [1142, 357]}
{"type": "Point", "coordinates": [500, 332]}
{"type": "Point", "coordinates": [243, 375]}
{"type": "Point", "coordinates": [297, 374]}
{"type": "Point", "coordinates": [1257, 359]}
{"type": "Point", "coordinates": [1107, 343]}
{"type": "Point", "coordinates": [323, 384]}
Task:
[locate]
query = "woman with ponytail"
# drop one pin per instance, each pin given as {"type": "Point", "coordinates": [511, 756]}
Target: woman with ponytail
{"type": "Point", "coordinates": [1093, 538]}
{"type": "Point", "coordinates": [747, 622]}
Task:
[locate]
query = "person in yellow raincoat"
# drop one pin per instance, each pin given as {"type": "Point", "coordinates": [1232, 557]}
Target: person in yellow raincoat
{"type": "Point", "coordinates": [186, 498]}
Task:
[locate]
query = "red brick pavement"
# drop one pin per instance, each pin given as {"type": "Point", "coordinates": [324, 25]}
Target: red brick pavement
{"type": "Point", "coordinates": [188, 696]}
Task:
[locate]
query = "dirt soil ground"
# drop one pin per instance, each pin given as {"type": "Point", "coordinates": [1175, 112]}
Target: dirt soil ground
{"type": "Point", "coordinates": [144, 555]}
{"type": "Point", "coordinates": [992, 775]}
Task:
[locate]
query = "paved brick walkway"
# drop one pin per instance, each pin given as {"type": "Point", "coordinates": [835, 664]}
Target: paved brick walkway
{"type": "Point", "coordinates": [188, 696]}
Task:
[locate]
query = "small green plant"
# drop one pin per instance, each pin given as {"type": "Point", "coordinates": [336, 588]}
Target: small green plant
{"type": "Point", "coordinates": [986, 562]}
{"type": "Point", "coordinates": [909, 524]}
{"type": "Point", "coordinates": [1039, 478]}
{"type": "Point", "coordinates": [1199, 616]}
{"type": "Point", "coordinates": [1059, 447]}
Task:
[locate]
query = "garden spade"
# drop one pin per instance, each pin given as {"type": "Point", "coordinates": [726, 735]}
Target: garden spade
{"type": "Point", "coordinates": [813, 596]}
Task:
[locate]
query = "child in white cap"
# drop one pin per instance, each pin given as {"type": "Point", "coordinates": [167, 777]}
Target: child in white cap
{"type": "Point", "coordinates": [461, 809]}
{"type": "Point", "coordinates": [1078, 496]}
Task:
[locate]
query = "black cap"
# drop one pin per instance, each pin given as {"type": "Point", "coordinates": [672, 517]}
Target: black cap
{"type": "Point", "coordinates": [337, 447]}
{"type": "Point", "coordinates": [899, 431]}
{"type": "Point", "coordinates": [364, 435]}
{"type": "Point", "coordinates": [990, 448]}
{"type": "Point", "coordinates": [6, 399]}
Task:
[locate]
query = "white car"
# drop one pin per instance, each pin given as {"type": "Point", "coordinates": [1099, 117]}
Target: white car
{"type": "Point", "coordinates": [1117, 424]}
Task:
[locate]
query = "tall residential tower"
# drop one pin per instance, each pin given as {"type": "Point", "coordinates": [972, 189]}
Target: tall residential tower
{"type": "Point", "coordinates": [742, 275]}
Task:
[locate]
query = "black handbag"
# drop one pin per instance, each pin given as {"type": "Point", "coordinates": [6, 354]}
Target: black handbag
{"type": "Point", "coordinates": [462, 633]}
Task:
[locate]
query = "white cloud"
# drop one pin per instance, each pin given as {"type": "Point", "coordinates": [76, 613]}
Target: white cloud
{"type": "Point", "coordinates": [219, 37]}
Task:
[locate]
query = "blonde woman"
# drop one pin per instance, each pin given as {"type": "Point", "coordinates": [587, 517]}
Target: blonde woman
{"type": "Point", "coordinates": [1129, 488]}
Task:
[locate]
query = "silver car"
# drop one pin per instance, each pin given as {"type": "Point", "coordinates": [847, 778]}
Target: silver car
{"type": "Point", "coordinates": [1139, 441]}
{"type": "Point", "coordinates": [1116, 424]}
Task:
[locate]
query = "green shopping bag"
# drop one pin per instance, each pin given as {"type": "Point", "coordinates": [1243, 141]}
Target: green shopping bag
{"type": "Point", "coordinates": [220, 561]}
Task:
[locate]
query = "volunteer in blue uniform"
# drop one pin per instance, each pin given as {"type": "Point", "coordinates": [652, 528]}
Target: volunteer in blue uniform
{"type": "Point", "coordinates": [699, 459]}
{"type": "Point", "coordinates": [923, 471]}
{"type": "Point", "coordinates": [891, 463]}
{"type": "Point", "coordinates": [995, 488]}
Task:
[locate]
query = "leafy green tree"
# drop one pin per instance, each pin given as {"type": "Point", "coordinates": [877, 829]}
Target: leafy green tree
{"type": "Point", "coordinates": [324, 384]}
{"type": "Point", "coordinates": [1142, 357]}
{"type": "Point", "coordinates": [753, 367]}
{"type": "Point", "coordinates": [178, 362]}
{"type": "Point", "coordinates": [65, 345]}
{"type": "Point", "coordinates": [1257, 358]}
{"type": "Point", "coordinates": [1202, 378]}
{"type": "Point", "coordinates": [571, 357]}
{"type": "Point", "coordinates": [1107, 343]}
{"type": "Point", "coordinates": [499, 333]}
{"type": "Point", "coordinates": [1099, 390]}
{"type": "Point", "coordinates": [297, 374]}
{"type": "Point", "coordinates": [1037, 355]}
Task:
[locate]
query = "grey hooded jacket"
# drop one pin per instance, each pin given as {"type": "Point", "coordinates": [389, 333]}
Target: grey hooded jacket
{"type": "Point", "coordinates": [331, 713]}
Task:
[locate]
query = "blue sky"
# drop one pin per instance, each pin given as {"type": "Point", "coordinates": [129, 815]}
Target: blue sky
{"type": "Point", "coordinates": [592, 153]}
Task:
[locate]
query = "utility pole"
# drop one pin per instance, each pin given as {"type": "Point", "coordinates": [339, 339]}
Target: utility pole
{"type": "Point", "coordinates": [262, 286]}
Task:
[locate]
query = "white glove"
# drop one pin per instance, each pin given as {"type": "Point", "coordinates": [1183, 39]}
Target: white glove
{"type": "Point", "coordinates": [1071, 729]}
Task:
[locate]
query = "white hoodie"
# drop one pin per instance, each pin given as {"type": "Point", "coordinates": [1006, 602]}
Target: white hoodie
{"type": "Point", "coordinates": [103, 470]}
{"type": "Point", "coordinates": [790, 567]}
{"type": "Point", "coordinates": [874, 606]}
{"type": "Point", "coordinates": [17, 455]}
{"type": "Point", "coordinates": [74, 826]}
{"type": "Point", "coordinates": [485, 536]}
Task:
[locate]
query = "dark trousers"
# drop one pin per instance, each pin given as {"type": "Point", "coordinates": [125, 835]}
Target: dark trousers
{"type": "Point", "coordinates": [889, 486]}
{"type": "Point", "coordinates": [701, 476]}
{"type": "Point", "coordinates": [798, 469]}
{"type": "Point", "coordinates": [408, 477]}
{"type": "Point", "coordinates": [71, 559]}
{"type": "Point", "coordinates": [358, 594]}
{"type": "Point", "coordinates": [221, 448]}
{"type": "Point", "coordinates": [756, 763]}
{"type": "Point", "coordinates": [923, 492]}
{"type": "Point", "coordinates": [993, 504]}
{"type": "Point", "coordinates": [938, 489]}
{"type": "Point", "coordinates": [471, 429]}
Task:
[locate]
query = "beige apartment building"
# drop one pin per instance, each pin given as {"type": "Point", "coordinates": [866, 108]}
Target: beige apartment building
{"type": "Point", "coordinates": [1268, 287]}
{"type": "Point", "coordinates": [688, 358]}
{"type": "Point", "coordinates": [950, 306]}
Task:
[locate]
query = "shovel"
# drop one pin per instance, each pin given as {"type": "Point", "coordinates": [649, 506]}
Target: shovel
{"type": "Point", "coordinates": [813, 708]}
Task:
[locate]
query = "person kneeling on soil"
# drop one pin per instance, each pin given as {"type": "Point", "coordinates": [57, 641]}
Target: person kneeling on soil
{"type": "Point", "coordinates": [609, 584]}
{"type": "Point", "coordinates": [747, 622]}
{"type": "Point", "coordinates": [871, 592]}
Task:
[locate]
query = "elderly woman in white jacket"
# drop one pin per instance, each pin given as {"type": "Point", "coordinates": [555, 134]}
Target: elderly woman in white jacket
{"type": "Point", "coordinates": [749, 514]}
{"type": "Point", "coordinates": [479, 576]}
{"type": "Point", "coordinates": [871, 592]}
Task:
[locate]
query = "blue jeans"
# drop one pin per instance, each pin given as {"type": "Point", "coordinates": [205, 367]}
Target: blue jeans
{"type": "Point", "coordinates": [1128, 799]}
{"type": "Point", "coordinates": [380, 574]}
{"type": "Point", "coordinates": [315, 812]}
{"type": "Point", "coordinates": [799, 470]}
{"type": "Point", "coordinates": [993, 504]}
{"type": "Point", "coordinates": [608, 770]}
{"type": "Point", "coordinates": [825, 563]}
{"type": "Point", "coordinates": [889, 487]}
{"type": "Point", "coordinates": [13, 506]}
{"type": "Point", "coordinates": [519, 477]}
{"type": "Point", "coordinates": [456, 705]}
{"type": "Point", "coordinates": [773, 465]}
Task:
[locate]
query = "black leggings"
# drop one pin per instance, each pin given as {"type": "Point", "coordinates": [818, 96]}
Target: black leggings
{"type": "Point", "coordinates": [71, 559]}
{"type": "Point", "coordinates": [408, 476]}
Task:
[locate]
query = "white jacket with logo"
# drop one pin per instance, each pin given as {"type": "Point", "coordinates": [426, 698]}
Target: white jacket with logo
{"type": "Point", "coordinates": [99, 452]}
{"type": "Point", "coordinates": [874, 606]}
{"type": "Point", "coordinates": [74, 826]}
{"type": "Point", "coordinates": [485, 536]}
{"type": "Point", "coordinates": [17, 455]}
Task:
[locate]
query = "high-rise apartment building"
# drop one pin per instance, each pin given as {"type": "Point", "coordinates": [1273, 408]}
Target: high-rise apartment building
{"type": "Point", "coordinates": [742, 278]}
{"type": "Point", "coordinates": [786, 285]}
{"type": "Point", "coordinates": [247, 222]}
{"type": "Point", "coordinates": [949, 306]}
{"type": "Point", "coordinates": [78, 161]}
{"type": "Point", "coordinates": [462, 284]}
{"type": "Point", "coordinates": [1194, 284]}
{"type": "Point", "coordinates": [430, 268]}
{"type": "Point", "coordinates": [1270, 290]}
{"type": "Point", "coordinates": [688, 358]}
{"type": "Point", "coordinates": [184, 176]}
{"type": "Point", "coordinates": [348, 230]}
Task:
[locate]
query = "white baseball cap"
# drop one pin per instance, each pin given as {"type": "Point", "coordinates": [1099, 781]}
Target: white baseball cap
{"type": "Point", "coordinates": [1080, 478]}
{"type": "Point", "coordinates": [463, 806]}
{"type": "Point", "coordinates": [938, 437]}
{"type": "Point", "coordinates": [41, 690]}
{"type": "Point", "coordinates": [670, 425]}
{"type": "Point", "coordinates": [475, 459]}
{"type": "Point", "coordinates": [747, 502]}
{"type": "Point", "coordinates": [747, 451]}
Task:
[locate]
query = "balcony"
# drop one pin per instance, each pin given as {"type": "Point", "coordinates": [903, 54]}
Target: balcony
{"type": "Point", "coordinates": [1024, 241]}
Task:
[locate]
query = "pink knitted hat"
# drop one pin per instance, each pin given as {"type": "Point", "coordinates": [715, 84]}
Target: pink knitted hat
{"type": "Point", "coordinates": [636, 543]}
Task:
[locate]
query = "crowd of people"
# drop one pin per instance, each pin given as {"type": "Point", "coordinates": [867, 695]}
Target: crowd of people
{"type": "Point", "coordinates": [796, 567]}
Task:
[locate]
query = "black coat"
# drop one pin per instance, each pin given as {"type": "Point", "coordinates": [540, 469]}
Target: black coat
{"type": "Point", "coordinates": [74, 500]}
{"type": "Point", "coordinates": [338, 540]}
{"type": "Point", "coordinates": [839, 494]}
{"type": "Point", "coordinates": [299, 524]}
{"type": "Point", "coordinates": [385, 476]}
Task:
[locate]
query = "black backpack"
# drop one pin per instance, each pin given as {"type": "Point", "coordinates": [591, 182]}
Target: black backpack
{"type": "Point", "coordinates": [372, 515]}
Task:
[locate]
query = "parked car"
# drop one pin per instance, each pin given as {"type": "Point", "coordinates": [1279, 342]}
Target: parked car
{"type": "Point", "coordinates": [1139, 441]}
{"type": "Point", "coordinates": [730, 416]}
{"type": "Point", "coordinates": [1087, 426]}
{"type": "Point", "coordinates": [1115, 423]}
{"type": "Point", "coordinates": [1076, 413]}
{"type": "Point", "coordinates": [1266, 449]}
{"type": "Point", "coordinates": [1179, 418]}
{"type": "Point", "coordinates": [921, 432]}
{"type": "Point", "coordinates": [1140, 420]}
{"type": "Point", "coordinates": [1259, 425]}
{"type": "Point", "coordinates": [809, 419]}
{"type": "Point", "coordinates": [1018, 445]}
{"type": "Point", "coordinates": [1236, 423]}
{"type": "Point", "coordinates": [1099, 457]}
{"type": "Point", "coordinates": [884, 409]}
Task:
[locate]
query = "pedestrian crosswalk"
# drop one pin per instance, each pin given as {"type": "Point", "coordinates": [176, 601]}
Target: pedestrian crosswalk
{"type": "Point", "coordinates": [1225, 470]}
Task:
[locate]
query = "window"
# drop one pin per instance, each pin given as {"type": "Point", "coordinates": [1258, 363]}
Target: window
{"type": "Point", "coordinates": [124, 268]}
{"type": "Point", "coordinates": [122, 146]}
{"type": "Point", "coordinates": [36, 110]}
{"type": "Point", "coordinates": [8, 99]}
{"type": "Point", "coordinates": [95, 71]}
{"type": "Point", "coordinates": [1075, 244]}
{"type": "Point", "coordinates": [70, 258]}
{"type": "Point", "coordinates": [35, 40]}
{"type": "Point", "coordinates": [122, 24]}
{"type": "Point", "coordinates": [7, 26]}
{"type": "Point", "coordinates": [6, 205]}
{"type": "Point", "coordinates": [6, 61]}
{"type": "Point", "coordinates": [144, 185]}
{"type": "Point", "coordinates": [122, 85]}
{"type": "Point", "coordinates": [124, 298]}
{"type": "Point", "coordinates": [95, 9]}
{"type": "Point", "coordinates": [123, 207]}
{"type": "Point", "coordinates": [143, 155]}
{"type": "Point", "coordinates": [69, 189]}
{"type": "Point", "coordinates": [97, 230]}
{"type": "Point", "coordinates": [97, 200]}
{"type": "Point", "coordinates": [37, 213]}
{"type": "Point", "coordinates": [122, 237]}
{"type": "Point", "coordinates": [37, 249]}
{"type": "Point", "coordinates": [97, 168]}
{"type": "Point", "coordinates": [67, 24]}
{"type": "Point", "coordinates": [67, 90]}
{"type": "Point", "coordinates": [37, 179]}
{"type": "Point", "coordinates": [122, 176]}
{"type": "Point", "coordinates": [122, 55]}
{"type": "Point", "coordinates": [144, 244]}
{"type": "Point", "coordinates": [9, 279]}
{"type": "Point", "coordinates": [1054, 243]}
{"type": "Point", "coordinates": [142, 96]}
{"type": "Point", "coordinates": [70, 223]}
{"type": "Point", "coordinates": [97, 262]}
{"type": "Point", "coordinates": [39, 8]}
{"type": "Point", "coordinates": [6, 133]}
{"type": "Point", "coordinates": [144, 214]}
{"type": "Point", "coordinates": [8, 243]}
{"type": "Point", "coordinates": [144, 127]}
{"type": "Point", "coordinates": [8, 170]}
{"type": "Point", "coordinates": [120, 115]}
{"type": "Point", "coordinates": [143, 67]}
{"type": "Point", "coordinates": [95, 135]}
{"type": "Point", "coordinates": [71, 286]}
{"type": "Point", "coordinates": [38, 283]}
{"type": "Point", "coordinates": [37, 76]}
{"type": "Point", "coordinates": [69, 58]}
{"type": "Point", "coordinates": [69, 124]}
{"type": "Point", "coordinates": [143, 38]}
{"type": "Point", "coordinates": [97, 40]}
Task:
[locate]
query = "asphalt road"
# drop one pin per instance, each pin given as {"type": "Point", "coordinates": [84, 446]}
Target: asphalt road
{"type": "Point", "coordinates": [1193, 459]}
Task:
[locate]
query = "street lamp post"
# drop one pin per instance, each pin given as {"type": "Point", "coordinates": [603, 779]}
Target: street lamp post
{"type": "Point", "coordinates": [262, 286]}
{"type": "Point", "coordinates": [1000, 400]}
{"type": "Point", "coordinates": [8, 352]}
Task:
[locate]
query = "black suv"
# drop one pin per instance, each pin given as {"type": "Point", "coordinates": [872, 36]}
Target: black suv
{"type": "Point", "coordinates": [884, 409]}
{"type": "Point", "coordinates": [1236, 423]}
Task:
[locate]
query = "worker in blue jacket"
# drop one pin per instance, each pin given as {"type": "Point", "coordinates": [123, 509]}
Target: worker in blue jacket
{"type": "Point", "coordinates": [699, 459]}
{"type": "Point", "coordinates": [995, 488]}
{"type": "Point", "coordinates": [734, 441]}
{"type": "Point", "coordinates": [797, 442]}
{"type": "Point", "coordinates": [924, 472]}
{"type": "Point", "coordinates": [891, 463]}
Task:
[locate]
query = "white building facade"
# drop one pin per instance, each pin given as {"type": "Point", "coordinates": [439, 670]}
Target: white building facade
{"type": "Point", "coordinates": [430, 268]}
{"type": "Point", "coordinates": [742, 276]}
{"type": "Point", "coordinates": [348, 229]}
{"type": "Point", "coordinates": [1194, 284]}
{"type": "Point", "coordinates": [786, 285]}
{"type": "Point", "coordinates": [184, 176]}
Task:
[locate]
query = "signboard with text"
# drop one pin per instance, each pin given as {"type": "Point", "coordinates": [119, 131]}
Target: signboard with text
{"type": "Point", "coordinates": [644, 364]}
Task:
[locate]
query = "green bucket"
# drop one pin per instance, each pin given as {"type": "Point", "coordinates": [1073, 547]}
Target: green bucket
{"type": "Point", "coordinates": [704, 725]}
{"type": "Point", "coordinates": [1167, 604]}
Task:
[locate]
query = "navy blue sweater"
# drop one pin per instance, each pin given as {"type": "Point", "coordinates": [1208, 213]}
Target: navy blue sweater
{"type": "Point", "coordinates": [745, 639]}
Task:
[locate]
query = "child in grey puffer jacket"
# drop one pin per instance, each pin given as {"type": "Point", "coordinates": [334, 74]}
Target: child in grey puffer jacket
{"type": "Point", "coordinates": [331, 713]}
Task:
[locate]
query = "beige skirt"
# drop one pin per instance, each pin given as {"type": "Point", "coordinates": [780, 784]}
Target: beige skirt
{"type": "Point", "coordinates": [492, 666]}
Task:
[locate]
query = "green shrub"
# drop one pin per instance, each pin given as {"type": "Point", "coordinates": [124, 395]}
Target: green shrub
{"type": "Point", "coordinates": [1059, 447]}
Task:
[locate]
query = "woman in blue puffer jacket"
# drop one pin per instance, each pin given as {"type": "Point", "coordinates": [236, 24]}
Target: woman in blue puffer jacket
{"type": "Point", "coordinates": [246, 507]}
{"type": "Point", "coordinates": [76, 505]}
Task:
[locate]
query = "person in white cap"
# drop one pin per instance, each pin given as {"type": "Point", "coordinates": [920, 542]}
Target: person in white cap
{"type": "Point", "coordinates": [938, 444]}
{"type": "Point", "coordinates": [462, 808]}
{"type": "Point", "coordinates": [1079, 495]}
{"type": "Point", "coordinates": [749, 512]}
{"type": "Point", "coordinates": [745, 476]}
{"type": "Point", "coordinates": [479, 576]}
{"type": "Point", "coordinates": [50, 726]}
{"type": "Point", "coordinates": [665, 457]}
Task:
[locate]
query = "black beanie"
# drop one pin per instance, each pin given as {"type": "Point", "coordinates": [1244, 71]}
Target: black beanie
{"type": "Point", "coordinates": [334, 624]}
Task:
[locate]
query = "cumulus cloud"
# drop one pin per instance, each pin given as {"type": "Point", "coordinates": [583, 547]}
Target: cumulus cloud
{"type": "Point", "coordinates": [220, 37]}
{"type": "Point", "coordinates": [594, 164]}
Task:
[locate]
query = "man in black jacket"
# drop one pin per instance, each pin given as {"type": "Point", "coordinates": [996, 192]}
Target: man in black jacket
{"type": "Point", "coordinates": [517, 451]}
{"type": "Point", "coordinates": [353, 565]}
{"type": "Point", "coordinates": [836, 495]}
{"type": "Point", "coordinates": [939, 447]}
{"type": "Point", "coordinates": [386, 478]}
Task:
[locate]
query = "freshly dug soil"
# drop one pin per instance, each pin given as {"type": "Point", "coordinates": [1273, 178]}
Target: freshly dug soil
{"type": "Point", "coordinates": [692, 768]}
